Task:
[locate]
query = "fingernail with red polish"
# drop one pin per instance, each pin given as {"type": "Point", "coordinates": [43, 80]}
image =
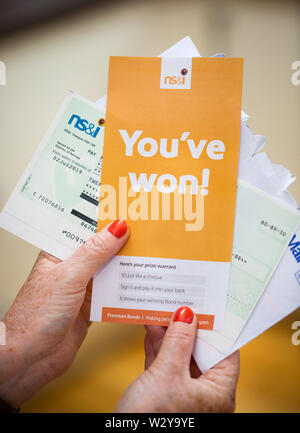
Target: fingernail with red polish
{"type": "Point", "coordinates": [183, 314]}
{"type": "Point", "coordinates": [118, 228]}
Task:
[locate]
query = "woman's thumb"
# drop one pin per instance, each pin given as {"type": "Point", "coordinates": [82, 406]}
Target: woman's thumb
{"type": "Point", "coordinates": [177, 346]}
{"type": "Point", "coordinates": [95, 253]}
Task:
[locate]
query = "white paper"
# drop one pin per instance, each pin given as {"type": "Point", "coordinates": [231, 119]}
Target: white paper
{"type": "Point", "coordinates": [281, 297]}
{"type": "Point", "coordinates": [282, 294]}
{"type": "Point", "coordinates": [264, 226]}
{"type": "Point", "coordinates": [54, 205]}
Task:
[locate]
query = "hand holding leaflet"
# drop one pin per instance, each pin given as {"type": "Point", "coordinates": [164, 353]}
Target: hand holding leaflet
{"type": "Point", "coordinates": [274, 304]}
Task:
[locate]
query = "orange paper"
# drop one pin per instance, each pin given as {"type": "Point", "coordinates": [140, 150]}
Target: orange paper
{"type": "Point", "coordinates": [172, 127]}
{"type": "Point", "coordinates": [210, 110]}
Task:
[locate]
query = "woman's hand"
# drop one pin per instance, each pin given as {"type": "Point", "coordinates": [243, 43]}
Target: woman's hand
{"type": "Point", "coordinates": [49, 319]}
{"type": "Point", "coordinates": [172, 381]}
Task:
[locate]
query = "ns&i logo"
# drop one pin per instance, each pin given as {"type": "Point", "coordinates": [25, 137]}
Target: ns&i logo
{"type": "Point", "coordinates": [176, 79]}
{"type": "Point", "coordinates": [84, 125]}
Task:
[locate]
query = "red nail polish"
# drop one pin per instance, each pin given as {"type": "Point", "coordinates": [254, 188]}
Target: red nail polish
{"type": "Point", "coordinates": [118, 228]}
{"type": "Point", "coordinates": [183, 314]}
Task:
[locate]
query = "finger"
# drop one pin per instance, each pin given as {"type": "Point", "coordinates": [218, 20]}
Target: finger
{"type": "Point", "coordinates": [194, 369]}
{"type": "Point", "coordinates": [224, 377]}
{"type": "Point", "coordinates": [86, 305]}
{"type": "Point", "coordinates": [226, 372]}
{"type": "Point", "coordinates": [48, 257]}
{"type": "Point", "coordinates": [149, 352]}
{"type": "Point", "coordinates": [45, 261]}
{"type": "Point", "coordinates": [155, 335]}
{"type": "Point", "coordinates": [94, 254]}
{"type": "Point", "coordinates": [177, 346]}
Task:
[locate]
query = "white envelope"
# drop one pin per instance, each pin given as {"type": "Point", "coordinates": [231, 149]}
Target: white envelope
{"type": "Point", "coordinates": [282, 295]}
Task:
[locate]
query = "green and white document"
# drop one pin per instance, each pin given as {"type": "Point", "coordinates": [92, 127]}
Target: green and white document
{"type": "Point", "coordinates": [264, 226]}
{"type": "Point", "coordinates": [54, 205]}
